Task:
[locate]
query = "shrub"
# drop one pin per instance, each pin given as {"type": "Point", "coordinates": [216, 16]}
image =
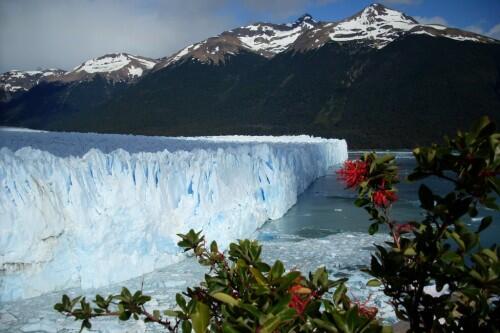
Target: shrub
{"type": "Point", "coordinates": [440, 251]}
{"type": "Point", "coordinates": [241, 293]}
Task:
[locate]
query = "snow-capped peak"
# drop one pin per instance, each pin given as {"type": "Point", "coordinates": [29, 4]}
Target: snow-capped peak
{"type": "Point", "coordinates": [376, 23]}
{"type": "Point", "coordinates": [377, 26]}
{"type": "Point", "coordinates": [265, 39]}
{"type": "Point", "coordinates": [379, 13]}
{"type": "Point", "coordinates": [114, 67]}
{"type": "Point", "coordinates": [15, 81]}
{"type": "Point", "coordinates": [305, 19]}
{"type": "Point", "coordinates": [113, 62]}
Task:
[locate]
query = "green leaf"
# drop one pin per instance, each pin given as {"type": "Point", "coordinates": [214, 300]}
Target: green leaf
{"type": "Point", "coordinates": [86, 323]}
{"type": "Point", "coordinates": [491, 254]}
{"type": "Point", "coordinates": [409, 252]}
{"type": "Point", "coordinates": [186, 326]}
{"type": "Point", "coordinates": [323, 324]}
{"type": "Point", "coordinates": [384, 159]}
{"type": "Point", "coordinates": [270, 325]}
{"type": "Point", "coordinates": [125, 315]}
{"type": "Point", "coordinates": [59, 307]}
{"type": "Point", "coordinates": [476, 275]}
{"type": "Point", "coordinates": [200, 317]}
{"type": "Point", "coordinates": [485, 223]}
{"type": "Point", "coordinates": [126, 296]}
{"type": "Point", "coordinates": [227, 328]}
{"type": "Point", "coordinates": [374, 283]}
{"type": "Point", "coordinates": [213, 247]}
{"type": "Point", "coordinates": [252, 310]}
{"type": "Point", "coordinates": [65, 300]}
{"type": "Point", "coordinates": [258, 276]}
{"type": "Point", "coordinates": [484, 127]}
{"type": "Point", "coordinates": [373, 228]}
{"type": "Point", "coordinates": [171, 313]}
{"type": "Point", "coordinates": [339, 293]}
{"type": "Point", "coordinates": [180, 301]}
{"type": "Point", "coordinates": [426, 197]}
{"type": "Point", "coordinates": [360, 202]}
{"type": "Point", "coordinates": [450, 256]}
{"type": "Point", "coordinates": [277, 270]}
{"type": "Point", "coordinates": [456, 238]}
{"type": "Point", "coordinates": [225, 298]}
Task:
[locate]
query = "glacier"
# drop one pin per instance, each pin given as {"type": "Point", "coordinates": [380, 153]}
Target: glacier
{"type": "Point", "coordinates": [88, 210]}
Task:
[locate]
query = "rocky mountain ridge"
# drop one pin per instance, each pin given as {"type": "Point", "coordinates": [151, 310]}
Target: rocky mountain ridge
{"type": "Point", "coordinates": [375, 26]}
{"type": "Point", "coordinates": [370, 78]}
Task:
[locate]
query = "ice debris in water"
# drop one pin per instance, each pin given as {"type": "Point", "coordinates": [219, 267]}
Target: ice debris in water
{"type": "Point", "coordinates": [342, 254]}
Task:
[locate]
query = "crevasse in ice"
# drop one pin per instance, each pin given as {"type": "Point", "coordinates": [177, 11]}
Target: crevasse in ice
{"type": "Point", "coordinates": [73, 217]}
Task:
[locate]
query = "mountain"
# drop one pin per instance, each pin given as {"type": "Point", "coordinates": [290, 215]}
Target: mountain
{"type": "Point", "coordinates": [377, 78]}
{"type": "Point", "coordinates": [16, 82]}
{"type": "Point", "coordinates": [264, 39]}
{"type": "Point", "coordinates": [377, 26]}
{"type": "Point", "coordinates": [374, 26]}
{"type": "Point", "coordinates": [116, 67]}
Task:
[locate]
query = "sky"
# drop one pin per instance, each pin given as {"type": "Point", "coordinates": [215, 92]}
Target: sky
{"type": "Point", "coordinates": [38, 34]}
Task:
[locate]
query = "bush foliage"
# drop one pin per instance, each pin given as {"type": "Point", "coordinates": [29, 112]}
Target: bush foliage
{"type": "Point", "coordinates": [242, 293]}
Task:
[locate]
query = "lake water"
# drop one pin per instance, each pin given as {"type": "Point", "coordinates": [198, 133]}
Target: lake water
{"type": "Point", "coordinates": [327, 208]}
{"type": "Point", "coordinates": [323, 228]}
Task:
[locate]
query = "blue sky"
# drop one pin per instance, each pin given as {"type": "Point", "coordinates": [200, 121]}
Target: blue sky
{"type": "Point", "coordinates": [484, 14]}
{"type": "Point", "coordinates": [64, 33]}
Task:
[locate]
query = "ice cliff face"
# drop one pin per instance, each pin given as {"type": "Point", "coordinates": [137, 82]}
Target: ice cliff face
{"type": "Point", "coordinates": [75, 217]}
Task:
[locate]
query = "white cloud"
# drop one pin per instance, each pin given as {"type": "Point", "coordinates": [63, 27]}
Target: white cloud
{"type": "Point", "coordinates": [431, 20]}
{"type": "Point", "coordinates": [64, 33]}
{"type": "Point", "coordinates": [492, 32]}
{"type": "Point", "coordinates": [474, 28]}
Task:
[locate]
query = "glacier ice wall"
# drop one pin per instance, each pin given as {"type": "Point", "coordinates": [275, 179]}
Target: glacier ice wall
{"type": "Point", "coordinates": [75, 219]}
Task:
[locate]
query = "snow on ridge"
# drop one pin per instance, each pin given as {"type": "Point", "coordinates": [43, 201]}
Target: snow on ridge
{"type": "Point", "coordinates": [66, 212]}
{"type": "Point", "coordinates": [120, 67]}
{"type": "Point", "coordinates": [135, 71]}
{"type": "Point", "coordinates": [276, 42]}
{"type": "Point", "coordinates": [104, 64]}
{"type": "Point", "coordinates": [147, 63]}
{"type": "Point", "coordinates": [376, 23]}
{"type": "Point", "coordinates": [380, 26]}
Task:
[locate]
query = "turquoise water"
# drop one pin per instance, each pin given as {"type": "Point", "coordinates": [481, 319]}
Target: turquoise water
{"type": "Point", "coordinates": [327, 208]}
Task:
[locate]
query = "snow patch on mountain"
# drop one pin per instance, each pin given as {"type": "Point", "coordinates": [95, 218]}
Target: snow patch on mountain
{"type": "Point", "coordinates": [104, 64]}
{"type": "Point", "coordinates": [116, 67]}
{"type": "Point", "coordinates": [270, 40]}
{"type": "Point", "coordinates": [375, 26]}
{"type": "Point", "coordinates": [135, 71]}
{"type": "Point", "coordinates": [74, 217]}
{"type": "Point", "coordinates": [15, 81]}
{"type": "Point", "coordinates": [377, 23]}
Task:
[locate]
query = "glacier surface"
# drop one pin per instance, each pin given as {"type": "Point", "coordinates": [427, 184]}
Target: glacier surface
{"type": "Point", "coordinates": [87, 210]}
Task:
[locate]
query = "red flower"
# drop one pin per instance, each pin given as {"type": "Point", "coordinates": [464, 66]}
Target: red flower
{"type": "Point", "coordinates": [353, 173]}
{"type": "Point", "coordinates": [401, 229]}
{"type": "Point", "coordinates": [366, 311]}
{"type": "Point", "coordinates": [404, 228]}
{"type": "Point", "coordinates": [369, 312]}
{"type": "Point", "coordinates": [301, 296]}
{"type": "Point", "coordinates": [384, 198]}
